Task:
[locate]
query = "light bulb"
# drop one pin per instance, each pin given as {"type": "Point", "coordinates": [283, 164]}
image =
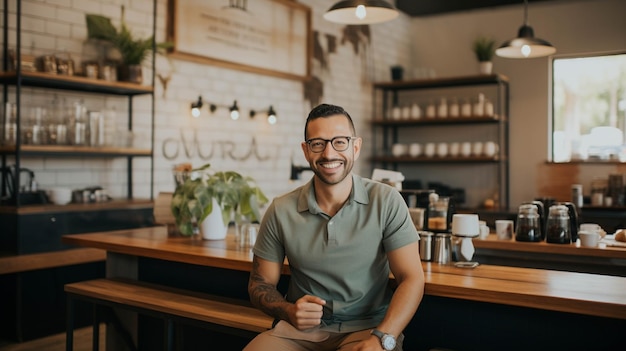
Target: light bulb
{"type": "Point", "coordinates": [526, 50]}
{"type": "Point", "coordinates": [234, 114]}
{"type": "Point", "coordinates": [271, 119]}
{"type": "Point", "coordinates": [360, 12]}
{"type": "Point", "coordinates": [195, 112]}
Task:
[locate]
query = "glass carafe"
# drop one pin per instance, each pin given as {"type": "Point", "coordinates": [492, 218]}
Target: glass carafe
{"type": "Point", "coordinates": [558, 227]}
{"type": "Point", "coordinates": [438, 213]}
{"type": "Point", "coordinates": [528, 224]}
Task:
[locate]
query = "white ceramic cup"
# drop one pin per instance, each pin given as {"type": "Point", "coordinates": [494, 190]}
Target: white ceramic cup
{"type": "Point", "coordinates": [466, 149]}
{"type": "Point", "coordinates": [504, 229]}
{"type": "Point", "coordinates": [431, 111]}
{"type": "Point", "coordinates": [396, 113]}
{"type": "Point", "coordinates": [60, 196]}
{"type": "Point", "coordinates": [589, 238]}
{"type": "Point", "coordinates": [464, 224]}
{"type": "Point", "coordinates": [490, 148]}
{"type": "Point", "coordinates": [466, 109]}
{"type": "Point", "coordinates": [442, 149]}
{"type": "Point", "coordinates": [454, 110]}
{"type": "Point", "coordinates": [406, 112]}
{"type": "Point", "coordinates": [454, 149]}
{"type": "Point", "coordinates": [477, 148]}
{"type": "Point", "coordinates": [484, 230]}
{"type": "Point", "coordinates": [592, 227]}
{"type": "Point", "coordinates": [399, 149]}
{"type": "Point", "coordinates": [415, 149]}
{"type": "Point", "coordinates": [416, 111]}
{"type": "Point", "coordinates": [429, 149]}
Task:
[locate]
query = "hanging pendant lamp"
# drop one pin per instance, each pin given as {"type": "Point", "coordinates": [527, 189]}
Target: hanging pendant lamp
{"type": "Point", "coordinates": [361, 12]}
{"type": "Point", "coordinates": [525, 45]}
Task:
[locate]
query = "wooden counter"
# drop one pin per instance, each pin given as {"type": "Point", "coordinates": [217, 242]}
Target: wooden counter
{"type": "Point", "coordinates": [580, 293]}
{"type": "Point", "coordinates": [117, 204]}
{"type": "Point", "coordinates": [543, 247]}
{"type": "Point", "coordinates": [609, 260]}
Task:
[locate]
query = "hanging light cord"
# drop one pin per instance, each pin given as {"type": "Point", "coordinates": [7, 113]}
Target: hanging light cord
{"type": "Point", "coordinates": [525, 12]}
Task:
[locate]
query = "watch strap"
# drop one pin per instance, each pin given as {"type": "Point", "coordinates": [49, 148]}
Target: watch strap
{"type": "Point", "coordinates": [378, 333]}
{"type": "Point", "coordinates": [384, 338]}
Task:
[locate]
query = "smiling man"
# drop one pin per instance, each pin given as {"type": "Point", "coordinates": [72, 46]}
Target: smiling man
{"type": "Point", "coordinates": [342, 235]}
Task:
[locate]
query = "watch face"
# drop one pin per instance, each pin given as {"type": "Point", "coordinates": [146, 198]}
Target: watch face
{"type": "Point", "coordinates": [389, 343]}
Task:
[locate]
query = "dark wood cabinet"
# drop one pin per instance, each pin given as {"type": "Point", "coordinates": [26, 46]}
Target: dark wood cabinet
{"type": "Point", "coordinates": [33, 301]}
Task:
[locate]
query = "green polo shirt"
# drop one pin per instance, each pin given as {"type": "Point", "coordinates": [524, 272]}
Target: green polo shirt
{"type": "Point", "coordinates": [341, 259]}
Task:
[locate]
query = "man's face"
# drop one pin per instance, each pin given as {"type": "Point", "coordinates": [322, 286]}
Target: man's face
{"type": "Point", "coordinates": [331, 166]}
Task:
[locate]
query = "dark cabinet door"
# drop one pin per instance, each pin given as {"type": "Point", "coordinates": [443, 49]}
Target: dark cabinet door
{"type": "Point", "coordinates": [41, 232]}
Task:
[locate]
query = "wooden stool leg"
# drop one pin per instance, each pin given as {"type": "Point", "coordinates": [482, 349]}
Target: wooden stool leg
{"type": "Point", "coordinates": [96, 329]}
{"type": "Point", "coordinates": [169, 334]}
{"type": "Point", "coordinates": [69, 324]}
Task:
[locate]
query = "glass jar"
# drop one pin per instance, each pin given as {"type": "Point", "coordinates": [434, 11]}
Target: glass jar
{"type": "Point", "coordinates": [528, 224]}
{"type": "Point", "coordinates": [438, 213]}
{"type": "Point", "coordinates": [558, 227]}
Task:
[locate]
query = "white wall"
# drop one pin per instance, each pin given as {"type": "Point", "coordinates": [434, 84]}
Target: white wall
{"type": "Point", "coordinates": [574, 27]}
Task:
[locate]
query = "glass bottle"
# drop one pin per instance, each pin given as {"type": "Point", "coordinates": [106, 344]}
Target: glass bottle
{"type": "Point", "coordinates": [558, 227]}
{"type": "Point", "coordinates": [528, 224]}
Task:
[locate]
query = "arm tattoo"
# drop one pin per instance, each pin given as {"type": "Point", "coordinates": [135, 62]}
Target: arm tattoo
{"type": "Point", "coordinates": [265, 296]}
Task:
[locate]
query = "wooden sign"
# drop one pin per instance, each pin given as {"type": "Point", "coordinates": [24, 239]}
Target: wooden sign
{"type": "Point", "coordinates": [262, 36]}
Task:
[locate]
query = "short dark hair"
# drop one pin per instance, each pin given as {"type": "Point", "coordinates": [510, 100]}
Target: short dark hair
{"type": "Point", "coordinates": [327, 110]}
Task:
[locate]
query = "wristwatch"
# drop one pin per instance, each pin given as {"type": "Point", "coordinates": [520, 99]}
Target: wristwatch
{"type": "Point", "coordinates": [386, 340]}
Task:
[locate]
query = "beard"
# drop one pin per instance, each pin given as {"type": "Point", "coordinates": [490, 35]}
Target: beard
{"type": "Point", "coordinates": [335, 178]}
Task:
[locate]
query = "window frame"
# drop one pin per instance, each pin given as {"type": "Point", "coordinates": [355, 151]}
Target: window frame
{"type": "Point", "coordinates": [551, 127]}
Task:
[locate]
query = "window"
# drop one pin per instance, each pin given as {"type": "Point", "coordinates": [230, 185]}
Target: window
{"type": "Point", "coordinates": [589, 108]}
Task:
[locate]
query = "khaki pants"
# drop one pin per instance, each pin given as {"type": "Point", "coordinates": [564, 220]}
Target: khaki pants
{"type": "Point", "coordinates": [285, 337]}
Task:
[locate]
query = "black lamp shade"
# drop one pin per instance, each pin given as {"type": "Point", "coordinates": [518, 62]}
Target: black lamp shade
{"type": "Point", "coordinates": [373, 11]}
{"type": "Point", "coordinates": [525, 45]}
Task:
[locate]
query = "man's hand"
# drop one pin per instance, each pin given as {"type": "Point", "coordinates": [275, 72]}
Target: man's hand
{"type": "Point", "coordinates": [306, 312]}
{"type": "Point", "coordinates": [372, 343]}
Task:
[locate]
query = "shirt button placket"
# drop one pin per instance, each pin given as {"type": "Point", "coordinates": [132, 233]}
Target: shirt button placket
{"type": "Point", "coordinates": [332, 235]}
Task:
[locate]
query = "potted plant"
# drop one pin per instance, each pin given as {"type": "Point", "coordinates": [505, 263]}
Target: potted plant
{"type": "Point", "coordinates": [133, 51]}
{"type": "Point", "coordinates": [484, 49]}
{"type": "Point", "coordinates": [195, 200]}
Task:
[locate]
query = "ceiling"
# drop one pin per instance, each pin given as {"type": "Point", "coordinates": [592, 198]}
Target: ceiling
{"type": "Point", "coordinates": [415, 8]}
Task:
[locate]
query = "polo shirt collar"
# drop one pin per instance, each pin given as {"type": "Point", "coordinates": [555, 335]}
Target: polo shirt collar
{"type": "Point", "coordinates": [306, 199]}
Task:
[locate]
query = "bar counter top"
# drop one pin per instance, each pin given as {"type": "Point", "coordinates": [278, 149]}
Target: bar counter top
{"type": "Point", "coordinates": [543, 247]}
{"type": "Point", "coordinates": [580, 293]}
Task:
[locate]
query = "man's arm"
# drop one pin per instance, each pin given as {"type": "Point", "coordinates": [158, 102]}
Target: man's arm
{"type": "Point", "coordinates": [305, 313]}
{"type": "Point", "coordinates": [407, 270]}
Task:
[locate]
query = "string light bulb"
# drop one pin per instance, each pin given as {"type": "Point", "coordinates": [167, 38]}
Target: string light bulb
{"type": "Point", "coordinates": [196, 106]}
{"type": "Point", "coordinates": [271, 116]}
{"type": "Point", "coordinates": [234, 111]}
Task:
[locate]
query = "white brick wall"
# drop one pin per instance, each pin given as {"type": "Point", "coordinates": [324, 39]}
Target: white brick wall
{"type": "Point", "coordinates": [54, 24]}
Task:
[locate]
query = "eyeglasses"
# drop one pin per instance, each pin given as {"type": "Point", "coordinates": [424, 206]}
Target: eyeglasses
{"type": "Point", "coordinates": [339, 143]}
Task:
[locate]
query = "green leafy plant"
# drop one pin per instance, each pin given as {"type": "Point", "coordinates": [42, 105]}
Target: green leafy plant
{"type": "Point", "coordinates": [134, 51]}
{"type": "Point", "coordinates": [484, 48]}
{"type": "Point", "coordinates": [192, 201]}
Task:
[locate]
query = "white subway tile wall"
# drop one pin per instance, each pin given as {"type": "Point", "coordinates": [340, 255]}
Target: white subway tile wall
{"type": "Point", "coordinates": [249, 145]}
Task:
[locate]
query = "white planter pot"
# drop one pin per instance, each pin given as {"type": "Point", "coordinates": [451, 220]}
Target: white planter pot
{"type": "Point", "coordinates": [213, 227]}
{"type": "Point", "coordinates": [485, 67]}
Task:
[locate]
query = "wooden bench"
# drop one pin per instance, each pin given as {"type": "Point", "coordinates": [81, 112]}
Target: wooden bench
{"type": "Point", "coordinates": [30, 262]}
{"type": "Point", "coordinates": [172, 305]}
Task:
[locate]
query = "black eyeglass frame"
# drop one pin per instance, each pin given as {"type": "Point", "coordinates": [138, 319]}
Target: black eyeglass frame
{"type": "Point", "coordinates": [331, 141]}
